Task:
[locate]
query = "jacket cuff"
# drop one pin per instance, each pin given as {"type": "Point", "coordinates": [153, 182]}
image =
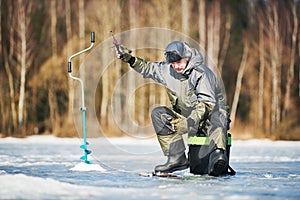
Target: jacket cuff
{"type": "Point", "coordinates": [131, 61]}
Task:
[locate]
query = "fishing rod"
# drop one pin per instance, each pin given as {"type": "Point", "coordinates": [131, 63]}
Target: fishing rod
{"type": "Point", "coordinates": [120, 48]}
{"type": "Point", "coordinates": [83, 108]}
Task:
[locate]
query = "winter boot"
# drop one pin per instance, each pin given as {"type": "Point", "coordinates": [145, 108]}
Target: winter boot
{"type": "Point", "coordinates": [174, 163]}
{"type": "Point", "coordinates": [218, 163]}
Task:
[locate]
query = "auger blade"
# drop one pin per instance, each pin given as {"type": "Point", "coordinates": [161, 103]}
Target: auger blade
{"type": "Point", "coordinates": [84, 157]}
{"type": "Point", "coordinates": [84, 146]}
{"type": "Point", "coordinates": [87, 151]}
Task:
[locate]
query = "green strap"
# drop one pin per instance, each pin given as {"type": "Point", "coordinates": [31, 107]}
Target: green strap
{"type": "Point", "coordinates": [194, 140]}
{"type": "Point", "coordinates": [229, 140]}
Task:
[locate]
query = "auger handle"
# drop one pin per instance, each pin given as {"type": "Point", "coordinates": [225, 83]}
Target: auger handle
{"type": "Point", "coordinates": [92, 37]}
{"type": "Point", "coordinates": [80, 52]}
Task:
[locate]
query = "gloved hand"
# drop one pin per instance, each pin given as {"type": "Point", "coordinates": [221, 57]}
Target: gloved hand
{"type": "Point", "coordinates": [123, 53]}
{"type": "Point", "coordinates": [179, 125]}
{"type": "Point", "coordinates": [197, 116]}
{"type": "Point", "coordinates": [192, 127]}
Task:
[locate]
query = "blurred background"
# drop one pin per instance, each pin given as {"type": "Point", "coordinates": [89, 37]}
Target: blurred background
{"type": "Point", "coordinates": [254, 44]}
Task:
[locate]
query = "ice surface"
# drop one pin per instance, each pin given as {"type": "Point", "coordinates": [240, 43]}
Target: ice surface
{"type": "Point", "coordinates": [46, 167]}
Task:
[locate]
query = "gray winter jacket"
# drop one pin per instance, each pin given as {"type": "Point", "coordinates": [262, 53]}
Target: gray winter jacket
{"type": "Point", "coordinates": [194, 93]}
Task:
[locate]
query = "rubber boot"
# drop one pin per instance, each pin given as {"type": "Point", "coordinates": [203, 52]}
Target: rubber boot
{"type": "Point", "coordinates": [174, 163]}
{"type": "Point", "coordinates": [218, 163]}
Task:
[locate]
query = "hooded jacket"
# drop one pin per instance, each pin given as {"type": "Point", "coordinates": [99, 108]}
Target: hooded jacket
{"type": "Point", "coordinates": [194, 92]}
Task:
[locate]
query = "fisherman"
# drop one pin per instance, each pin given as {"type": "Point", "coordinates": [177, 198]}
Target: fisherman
{"type": "Point", "coordinates": [198, 105]}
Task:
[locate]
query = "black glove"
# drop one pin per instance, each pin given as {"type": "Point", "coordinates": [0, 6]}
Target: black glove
{"type": "Point", "coordinates": [192, 127]}
{"type": "Point", "coordinates": [228, 123]}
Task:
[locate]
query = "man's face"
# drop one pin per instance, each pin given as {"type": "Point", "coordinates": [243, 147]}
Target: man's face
{"type": "Point", "coordinates": [180, 65]}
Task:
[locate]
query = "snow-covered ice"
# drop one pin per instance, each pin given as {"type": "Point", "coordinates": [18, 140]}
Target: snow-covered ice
{"type": "Point", "coordinates": [82, 166]}
{"type": "Point", "coordinates": [46, 167]}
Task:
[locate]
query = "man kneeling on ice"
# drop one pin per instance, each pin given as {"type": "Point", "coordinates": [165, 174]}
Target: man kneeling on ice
{"type": "Point", "coordinates": [198, 105]}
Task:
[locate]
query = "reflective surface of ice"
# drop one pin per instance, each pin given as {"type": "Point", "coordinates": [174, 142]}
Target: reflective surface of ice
{"type": "Point", "coordinates": [45, 167]}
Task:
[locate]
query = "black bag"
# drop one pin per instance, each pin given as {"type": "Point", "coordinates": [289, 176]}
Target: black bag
{"type": "Point", "coordinates": [199, 152]}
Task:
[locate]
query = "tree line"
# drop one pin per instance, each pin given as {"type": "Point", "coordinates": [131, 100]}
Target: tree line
{"type": "Point", "coordinates": [254, 44]}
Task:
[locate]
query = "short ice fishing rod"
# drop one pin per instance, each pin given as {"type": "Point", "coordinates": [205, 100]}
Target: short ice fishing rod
{"type": "Point", "coordinates": [83, 108]}
{"type": "Point", "coordinates": [120, 48]}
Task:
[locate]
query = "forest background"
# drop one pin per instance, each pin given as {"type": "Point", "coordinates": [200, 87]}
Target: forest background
{"type": "Point", "coordinates": [254, 43]}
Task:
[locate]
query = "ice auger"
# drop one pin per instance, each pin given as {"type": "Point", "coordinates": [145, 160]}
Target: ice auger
{"type": "Point", "coordinates": [83, 108]}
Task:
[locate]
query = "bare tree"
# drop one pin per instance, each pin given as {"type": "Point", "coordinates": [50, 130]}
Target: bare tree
{"type": "Point", "coordinates": [166, 22]}
{"type": "Point", "coordinates": [239, 82]}
{"type": "Point", "coordinates": [226, 39]}
{"type": "Point", "coordinates": [69, 53]}
{"type": "Point", "coordinates": [8, 54]}
{"type": "Point", "coordinates": [52, 99]}
{"type": "Point", "coordinates": [133, 9]}
{"type": "Point", "coordinates": [53, 30]}
{"type": "Point", "coordinates": [24, 9]}
{"type": "Point", "coordinates": [117, 103]}
{"type": "Point", "coordinates": [261, 74]}
{"type": "Point", "coordinates": [275, 57]}
{"type": "Point", "coordinates": [291, 71]}
{"type": "Point", "coordinates": [22, 21]}
{"type": "Point", "coordinates": [202, 25]}
{"type": "Point", "coordinates": [17, 54]}
{"type": "Point", "coordinates": [81, 24]}
{"type": "Point", "coordinates": [298, 65]}
{"type": "Point", "coordinates": [213, 31]}
{"type": "Point", "coordinates": [185, 5]}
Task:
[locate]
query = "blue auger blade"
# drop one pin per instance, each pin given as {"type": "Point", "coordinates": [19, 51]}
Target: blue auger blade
{"type": "Point", "coordinates": [84, 146]}
{"type": "Point", "coordinates": [87, 162]}
{"type": "Point", "coordinates": [87, 151]}
{"type": "Point", "coordinates": [84, 157]}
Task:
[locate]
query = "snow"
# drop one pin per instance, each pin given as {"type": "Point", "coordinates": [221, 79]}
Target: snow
{"type": "Point", "coordinates": [88, 167]}
{"type": "Point", "coordinates": [46, 167]}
